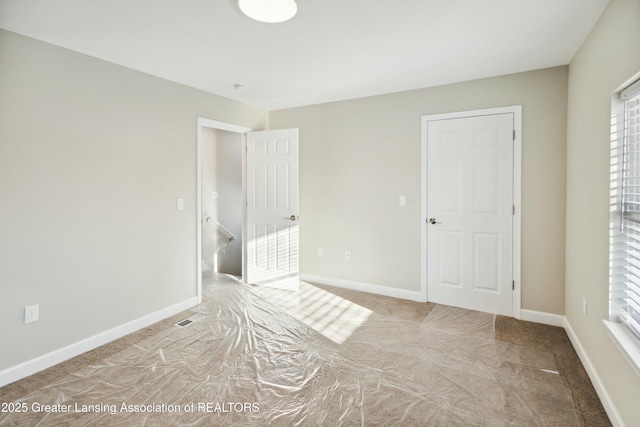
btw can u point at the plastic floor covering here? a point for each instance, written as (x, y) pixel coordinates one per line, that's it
(264, 357)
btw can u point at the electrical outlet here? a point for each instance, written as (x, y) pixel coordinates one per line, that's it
(347, 255)
(320, 251)
(31, 313)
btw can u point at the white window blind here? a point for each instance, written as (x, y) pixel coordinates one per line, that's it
(629, 310)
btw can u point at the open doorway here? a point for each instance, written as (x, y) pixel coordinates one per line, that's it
(263, 227)
(220, 198)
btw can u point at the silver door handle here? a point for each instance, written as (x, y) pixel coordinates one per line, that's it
(293, 218)
(433, 221)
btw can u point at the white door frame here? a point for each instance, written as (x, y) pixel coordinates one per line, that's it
(516, 110)
(207, 123)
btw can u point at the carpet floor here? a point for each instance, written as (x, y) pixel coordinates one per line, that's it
(325, 356)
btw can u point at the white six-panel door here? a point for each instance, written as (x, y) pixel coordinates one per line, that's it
(272, 236)
(470, 212)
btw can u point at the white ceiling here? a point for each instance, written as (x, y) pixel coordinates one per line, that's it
(332, 50)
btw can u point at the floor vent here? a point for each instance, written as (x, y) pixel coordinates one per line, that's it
(190, 320)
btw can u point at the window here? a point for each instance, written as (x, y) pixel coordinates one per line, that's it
(625, 209)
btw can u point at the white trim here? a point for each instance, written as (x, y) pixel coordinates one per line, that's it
(423, 210)
(363, 287)
(626, 342)
(516, 110)
(243, 141)
(631, 90)
(517, 217)
(606, 400)
(222, 125)
(213, 124)
(45, 361)
(199, 263)
(542, 317)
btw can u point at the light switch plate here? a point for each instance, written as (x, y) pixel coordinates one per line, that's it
(180, 204)
(402, 200)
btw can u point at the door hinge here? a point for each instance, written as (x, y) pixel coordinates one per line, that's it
(513, 209)
(514, 134)
(513, 285)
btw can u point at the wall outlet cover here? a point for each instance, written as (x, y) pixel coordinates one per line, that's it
(31, 313)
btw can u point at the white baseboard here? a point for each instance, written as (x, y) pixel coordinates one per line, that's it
(364, 287)
(542, 317)
(606, 400)
(561, 321)
(45, 361)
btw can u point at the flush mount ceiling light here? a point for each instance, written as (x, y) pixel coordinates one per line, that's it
(271, 11)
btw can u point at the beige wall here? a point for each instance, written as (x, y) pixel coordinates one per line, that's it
(92, 159)
(609, 57)
(358, 156)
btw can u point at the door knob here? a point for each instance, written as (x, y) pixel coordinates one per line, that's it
(293, 218)
(433, 221)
